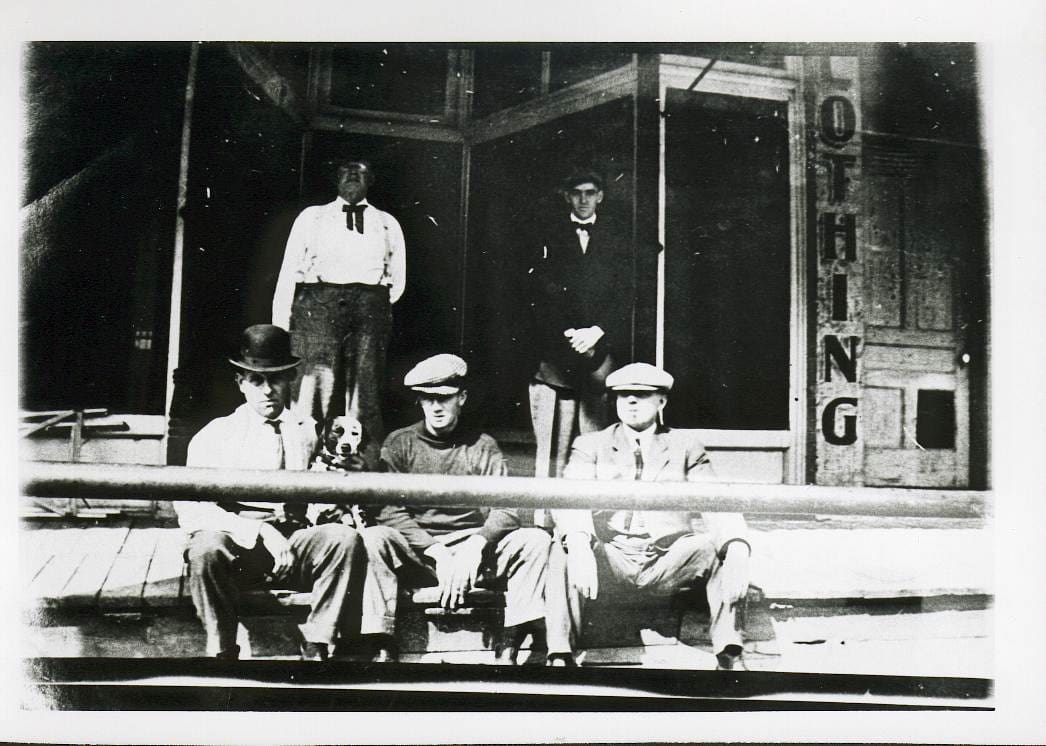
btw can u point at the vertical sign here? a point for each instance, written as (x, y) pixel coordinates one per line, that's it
(833, 108)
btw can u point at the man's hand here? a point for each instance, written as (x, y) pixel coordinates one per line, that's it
(581, 565)
(582, 341)
(734, 573)
(458, 569)
(279, 548)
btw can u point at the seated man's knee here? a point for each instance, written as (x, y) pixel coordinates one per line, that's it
(340, 535)
(380, 540)
(207, 548)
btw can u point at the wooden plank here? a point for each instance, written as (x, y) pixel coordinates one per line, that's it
(163, 581)
(922, 359)
(883, 417)
(141, 541)
(123, 588)
(46, 588)
(102, 548)
(35, 549)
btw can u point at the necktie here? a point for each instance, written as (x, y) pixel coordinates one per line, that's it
(637, 454)
(279, 457)
(354, 215)
(584, 234)
(587, 228)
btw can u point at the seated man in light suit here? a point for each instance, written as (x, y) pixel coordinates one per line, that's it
(657, 552)
(232, 544)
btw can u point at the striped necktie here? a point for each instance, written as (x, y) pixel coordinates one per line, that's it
(279, 459)
(637, 453)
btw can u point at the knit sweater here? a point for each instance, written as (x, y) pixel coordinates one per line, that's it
(464, 452)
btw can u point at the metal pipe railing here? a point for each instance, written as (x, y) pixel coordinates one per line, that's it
(133, 482)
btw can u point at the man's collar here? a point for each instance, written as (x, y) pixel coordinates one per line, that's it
(283, 417)
(643, 436)
(578, 221)
(339, 200)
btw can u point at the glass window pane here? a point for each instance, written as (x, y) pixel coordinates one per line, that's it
(400, 78)
(728, 256)
(505, 76)
(583, 61)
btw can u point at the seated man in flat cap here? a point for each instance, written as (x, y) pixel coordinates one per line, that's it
(454, 547)
(232, 543)
(655, 552)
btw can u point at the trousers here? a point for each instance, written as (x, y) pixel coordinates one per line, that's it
(688, 560)
(558, 416)
(325, 559)
(520, 559)
(341, 333)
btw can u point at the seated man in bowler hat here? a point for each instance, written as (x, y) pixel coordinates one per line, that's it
(600, 553)
(453, 548)
(231, 543)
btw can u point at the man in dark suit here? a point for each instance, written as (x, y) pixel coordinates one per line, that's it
(653, 552)
(581, 302)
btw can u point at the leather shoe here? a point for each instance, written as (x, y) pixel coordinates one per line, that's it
(232, 654)
(731, 658)
(385, 654)
(561, 660)
(506, 656)
(313, 651)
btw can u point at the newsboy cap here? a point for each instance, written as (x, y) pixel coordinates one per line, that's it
(439, 374)
(265, 348)
(640, 377)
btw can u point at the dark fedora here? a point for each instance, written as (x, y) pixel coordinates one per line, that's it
(265, 348)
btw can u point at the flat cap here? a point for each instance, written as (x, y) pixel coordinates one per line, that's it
(640, 377)
(439, 374)
(582, 176)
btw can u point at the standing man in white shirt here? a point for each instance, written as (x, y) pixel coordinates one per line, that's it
(232, 543)
(344, 266)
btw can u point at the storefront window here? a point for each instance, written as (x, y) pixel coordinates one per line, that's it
(727, 256)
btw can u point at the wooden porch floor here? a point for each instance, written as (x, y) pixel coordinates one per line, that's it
(841, 595)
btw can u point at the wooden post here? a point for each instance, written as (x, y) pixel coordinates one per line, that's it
(646, 168)
(174, 329)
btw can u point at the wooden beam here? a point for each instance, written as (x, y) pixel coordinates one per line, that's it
(385, 127)
(578, 97)
(273, 84)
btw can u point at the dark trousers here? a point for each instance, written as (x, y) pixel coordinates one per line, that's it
(689, 560)
(341, 333)
(325, 558)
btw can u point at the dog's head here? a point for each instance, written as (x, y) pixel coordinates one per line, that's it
(344, 436)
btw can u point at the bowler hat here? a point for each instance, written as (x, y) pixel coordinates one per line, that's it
(265, 348)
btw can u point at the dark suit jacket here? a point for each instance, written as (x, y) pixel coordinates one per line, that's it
(677, 456)
(574, 290)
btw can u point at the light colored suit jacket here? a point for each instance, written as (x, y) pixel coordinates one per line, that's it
(227, 442)
(675, 456)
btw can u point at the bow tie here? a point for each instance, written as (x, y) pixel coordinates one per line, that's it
(354, 214)
(583, 226)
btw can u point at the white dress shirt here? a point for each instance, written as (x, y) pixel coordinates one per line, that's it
(583, 235)
(320, 248)
(241, 441)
